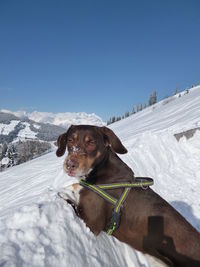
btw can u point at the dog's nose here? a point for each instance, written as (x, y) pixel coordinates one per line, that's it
(71, 164)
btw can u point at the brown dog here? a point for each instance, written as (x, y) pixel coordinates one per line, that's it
(148, 223)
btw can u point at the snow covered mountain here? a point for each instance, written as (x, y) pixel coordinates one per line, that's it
(13, 129)
(60, 119)
(39, 229)
(22, 139)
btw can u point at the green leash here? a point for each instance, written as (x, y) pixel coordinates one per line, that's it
(143, 182)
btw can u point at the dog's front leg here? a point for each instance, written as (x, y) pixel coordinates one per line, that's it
(71, 196)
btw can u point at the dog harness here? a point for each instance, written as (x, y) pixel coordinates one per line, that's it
(143, 182)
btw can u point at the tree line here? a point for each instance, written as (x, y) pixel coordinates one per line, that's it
(16, 153)
(151, 101)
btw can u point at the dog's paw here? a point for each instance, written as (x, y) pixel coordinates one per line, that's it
(63, 195)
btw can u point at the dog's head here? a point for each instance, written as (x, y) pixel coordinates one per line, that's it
(86, 147)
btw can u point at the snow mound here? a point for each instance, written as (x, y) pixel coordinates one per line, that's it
(50, 234)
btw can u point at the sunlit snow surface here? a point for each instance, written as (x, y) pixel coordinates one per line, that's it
(26, 132)
(39, 229)
(5, 129)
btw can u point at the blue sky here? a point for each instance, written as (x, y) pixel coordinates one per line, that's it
(101, 56)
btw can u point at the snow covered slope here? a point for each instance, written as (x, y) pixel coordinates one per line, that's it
(38, 229)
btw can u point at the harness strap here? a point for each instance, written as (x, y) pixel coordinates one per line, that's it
(143, 182)
(122, 199)
(100, 192)
(116, 213)
(130, 185)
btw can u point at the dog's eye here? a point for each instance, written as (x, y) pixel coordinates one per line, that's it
(69, 140)
(91, 142)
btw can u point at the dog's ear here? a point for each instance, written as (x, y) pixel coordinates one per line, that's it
(62, 143)
(112, 140)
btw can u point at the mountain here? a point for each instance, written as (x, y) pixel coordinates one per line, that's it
(39, 229)
(14, 128)
(24, 136)
(60, 119)
(22, 139)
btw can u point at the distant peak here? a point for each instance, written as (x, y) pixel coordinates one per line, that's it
(60, 119)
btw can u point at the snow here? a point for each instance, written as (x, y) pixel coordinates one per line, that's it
(36, 126)
(5, 129)
(26, 133)
(178, 115)
(5, 161)
(66, 119)
(59, 119)
(39, 229)
(41, 235)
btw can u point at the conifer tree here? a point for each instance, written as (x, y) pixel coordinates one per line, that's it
(176, 91)
(153, 98)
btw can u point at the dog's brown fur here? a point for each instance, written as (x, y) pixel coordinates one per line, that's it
(148, 223)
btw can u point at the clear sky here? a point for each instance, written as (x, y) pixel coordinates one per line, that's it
(101, 56)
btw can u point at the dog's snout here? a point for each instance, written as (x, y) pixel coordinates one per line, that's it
(72, 164)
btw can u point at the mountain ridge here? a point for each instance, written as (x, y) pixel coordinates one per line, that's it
(59, 119)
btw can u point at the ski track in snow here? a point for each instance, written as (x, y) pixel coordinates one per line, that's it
(39, 229)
